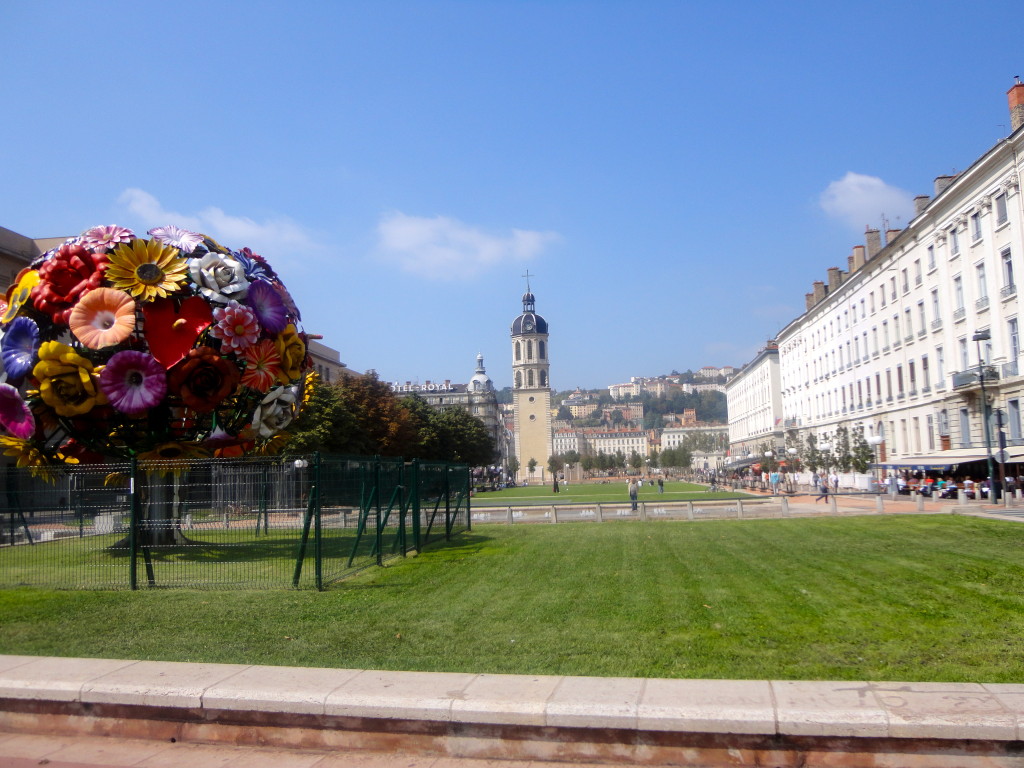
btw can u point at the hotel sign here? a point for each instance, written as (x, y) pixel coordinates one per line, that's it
(429, 387)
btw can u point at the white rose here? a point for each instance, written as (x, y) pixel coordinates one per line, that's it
(219, 278)
(276, 411)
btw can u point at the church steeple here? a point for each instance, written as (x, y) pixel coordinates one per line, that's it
(531, 385)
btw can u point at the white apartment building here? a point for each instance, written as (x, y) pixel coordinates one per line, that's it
(754, 400)
(892, 344)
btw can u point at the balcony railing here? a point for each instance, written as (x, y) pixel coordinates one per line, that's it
(908, 338)
(981, 304)
(959, 314)
(1007, 291)
(936, 323)
(969, 378)
(1010, 369)
(921, 332)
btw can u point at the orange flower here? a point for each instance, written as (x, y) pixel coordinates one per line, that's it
(103, 317)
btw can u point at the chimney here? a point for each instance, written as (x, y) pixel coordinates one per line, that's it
(849, 264)
(942, 182)
(920, 203)
(809, 300)
(1016, 98)
(859, 257)
(874, 241)
(890, 235)
(819, 290)
(835, 278)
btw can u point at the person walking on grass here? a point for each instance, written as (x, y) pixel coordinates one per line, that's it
(633, 492)
(824, 491)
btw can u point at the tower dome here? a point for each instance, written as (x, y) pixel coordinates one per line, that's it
(480, 382)
(529, 321)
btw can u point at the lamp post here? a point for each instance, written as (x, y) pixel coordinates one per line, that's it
(874, 441)
(979, 337)
(789, 473)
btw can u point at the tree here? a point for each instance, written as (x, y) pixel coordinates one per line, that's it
(554, 464)
(589, 463)
(463, 437)
(862, 454)
(513, 466)
(325, 424)
(635, 460)
(384, 426)
(842, 449)
(564, 414)
(531, 466)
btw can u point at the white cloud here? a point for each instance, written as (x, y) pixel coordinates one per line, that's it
(446, 249)
(276, 237)
(861, 201)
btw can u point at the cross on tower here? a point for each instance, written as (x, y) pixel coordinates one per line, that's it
(528, 276)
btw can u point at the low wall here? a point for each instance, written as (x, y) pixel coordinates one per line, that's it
(612, 720)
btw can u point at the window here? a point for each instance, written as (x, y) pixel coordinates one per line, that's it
(912, 376)
(965, 428)
(958, 292)
(1009, 286)
(908, 325)
(881, 296)
(1000, 204)
(518, 352)
(871, 302)
(930, 427)
(906, 280)
(926, 382)
(1013, 418)
(543, 377)
(954, 242)
(943, 422)
(885, 334)
(940, 368)
(979, 271)
(931, 257)
(529, 352)
(541, 350)
(519, 379)
(893, 286)
(922, 321)
(529, 378)
(917, 272)
(936, 308)
(1014, 337)
(888, 384)
(976, 226)
(965, 360)
(899, 380)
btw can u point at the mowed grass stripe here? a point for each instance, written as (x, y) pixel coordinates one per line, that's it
(884, 598)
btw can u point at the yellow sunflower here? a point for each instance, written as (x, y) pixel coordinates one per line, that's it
(147, 269)
(28, 455)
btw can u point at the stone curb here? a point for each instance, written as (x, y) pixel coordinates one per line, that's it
(942, 711)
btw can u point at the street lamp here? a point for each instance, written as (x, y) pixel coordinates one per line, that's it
(874, 441)
(979, 337)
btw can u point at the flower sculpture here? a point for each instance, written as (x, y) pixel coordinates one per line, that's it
(114, 345)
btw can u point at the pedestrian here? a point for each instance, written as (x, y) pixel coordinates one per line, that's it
(823, 494)
(833, 480)
(633, 492)
(555, 487)
(773, 478)
(661, 485)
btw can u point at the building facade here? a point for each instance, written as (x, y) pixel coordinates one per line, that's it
(531, 390)
(755, 404)
(915, 346)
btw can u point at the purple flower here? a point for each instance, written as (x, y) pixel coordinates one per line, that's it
(18, 348)
(289, 302)
(268, 306)
(105, 238)
(133, 382)
(15, 415)
(182, 239)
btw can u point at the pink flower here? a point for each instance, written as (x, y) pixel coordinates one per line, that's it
(133, 382)
(105, 238)
(182, 239)
(236, 327)
(262, 365)
(15, 415)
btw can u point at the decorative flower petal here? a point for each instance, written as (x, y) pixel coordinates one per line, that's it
(268, 306)
(262, 365)
(18, 348)
(133, 382)
(236, 327)
(203, 379)
(182, 239)
(172, 329)
(15, 415)
(103, 317)
(63, 278)
(19, 293)
(105, 238)
(66, 380)
(146, 269)
(219, 278)
(275, 412)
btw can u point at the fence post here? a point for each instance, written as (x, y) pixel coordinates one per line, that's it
(317, 508)
(600, 513)
(879, 504)
(920, 503)
(510, 515)
(415, 484)
(380, 534)
(739, 509)
(643, 511)
(785, 507)
(133, 523)
(469, 498)
(554, 514)
(832, 504)
(689, 510)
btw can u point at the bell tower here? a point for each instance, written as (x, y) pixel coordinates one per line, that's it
(531, 389)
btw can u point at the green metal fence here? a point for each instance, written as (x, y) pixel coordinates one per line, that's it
(296, 521)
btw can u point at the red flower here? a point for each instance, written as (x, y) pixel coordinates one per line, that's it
(203, 379)
(64, 277)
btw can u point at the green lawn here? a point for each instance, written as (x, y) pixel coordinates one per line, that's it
(610, 492)
(937, 598)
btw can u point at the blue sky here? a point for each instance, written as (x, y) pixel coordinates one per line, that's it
(674, 174)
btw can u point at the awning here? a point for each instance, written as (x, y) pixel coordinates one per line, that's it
(742, 463)
(938, 462)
